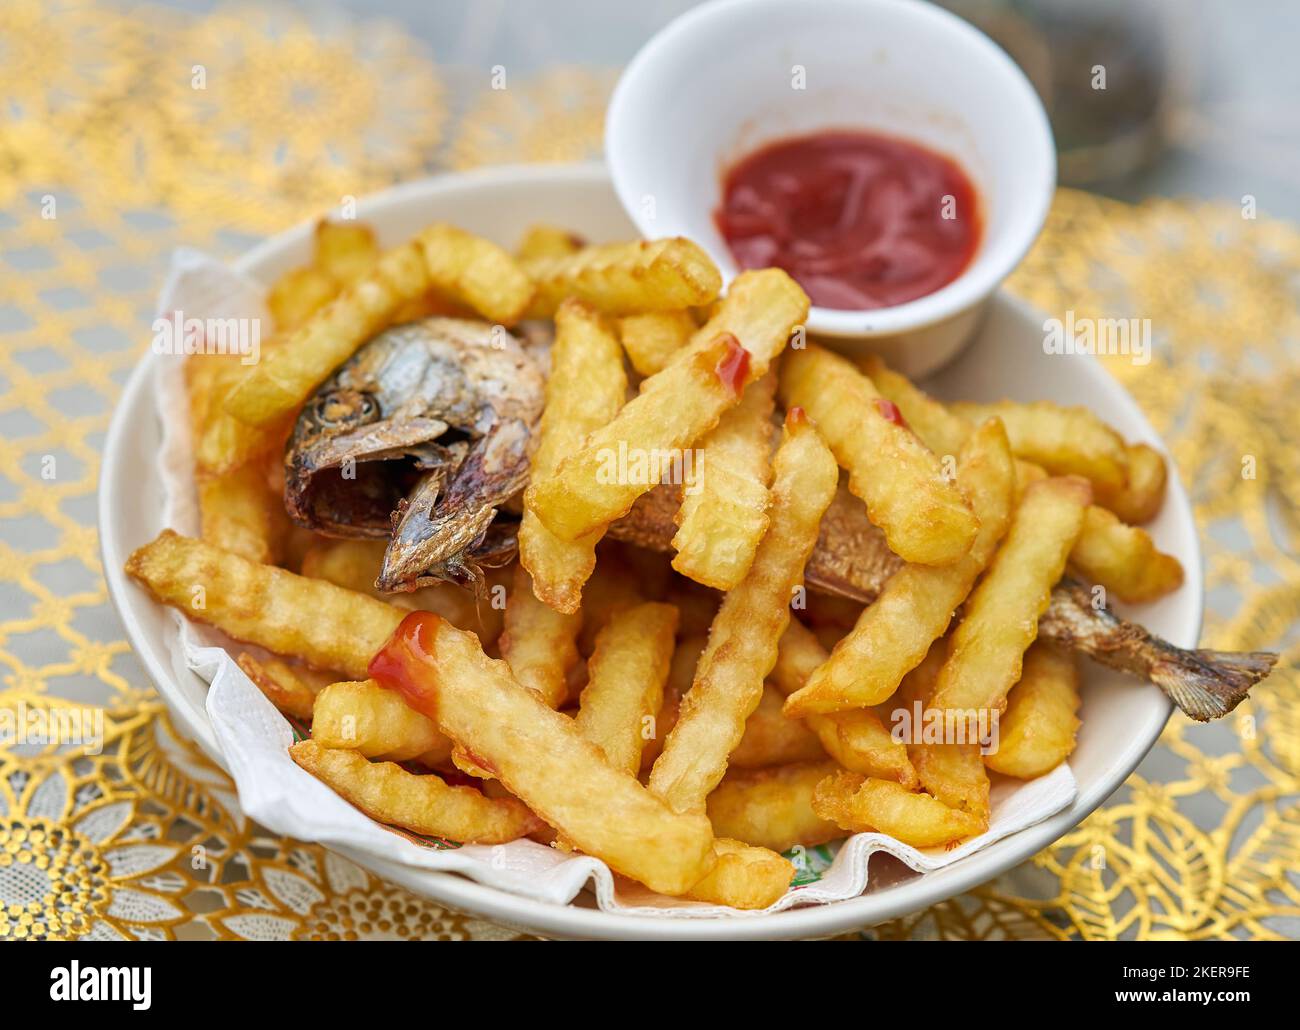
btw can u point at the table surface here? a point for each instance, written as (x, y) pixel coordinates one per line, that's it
(110, 158)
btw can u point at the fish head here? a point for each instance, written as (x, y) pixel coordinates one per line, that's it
(414, 423)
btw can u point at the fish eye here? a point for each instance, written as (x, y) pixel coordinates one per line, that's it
(346, 406)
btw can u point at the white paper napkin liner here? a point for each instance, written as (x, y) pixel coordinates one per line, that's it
(254, 737)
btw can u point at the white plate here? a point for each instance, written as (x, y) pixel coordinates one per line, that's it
(1121, 718)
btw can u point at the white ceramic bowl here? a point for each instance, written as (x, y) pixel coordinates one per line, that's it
(1121, 718)
(716, 84)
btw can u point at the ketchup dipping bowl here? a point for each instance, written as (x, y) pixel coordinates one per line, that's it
(732, 77)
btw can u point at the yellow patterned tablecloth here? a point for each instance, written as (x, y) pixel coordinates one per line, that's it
(119, 144)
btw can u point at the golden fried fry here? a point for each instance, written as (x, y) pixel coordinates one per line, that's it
(772, 739)
(950, 769)
(742, 646)
(723, 514)
(1036, 732)
(1142, 494)
(1065, 441)
(939, 429)
(585, 390)
(917, 603)
(476, 272)
(299, 294)
(623, 278)
(862, 805)
(547, 241)
(652, 338)
(1001, 616)
(744, 877)
(857, 739)
(362, 716)
(291, 689)
(772, 808)
(1123, 559)
(623, 459)
(539, 643)
(625, 684)
(423, 804)
(239, 513)
(264, 605)
(542, 757)
(925, 518)
(345, 251)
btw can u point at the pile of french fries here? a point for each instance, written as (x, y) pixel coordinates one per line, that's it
(686, 717)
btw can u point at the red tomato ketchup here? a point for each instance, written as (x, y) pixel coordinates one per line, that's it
(860, 220)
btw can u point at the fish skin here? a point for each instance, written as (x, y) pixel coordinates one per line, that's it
(438, 416)
(853, 560)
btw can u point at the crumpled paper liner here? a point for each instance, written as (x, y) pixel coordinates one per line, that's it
(275, 792)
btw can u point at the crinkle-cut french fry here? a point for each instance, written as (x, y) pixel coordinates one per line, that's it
(917, 603)
(539, 643)
(222, 443)
(345, 251)
(542, 757)
(1065, 441)
(1001, 615)
(652, 338)
(421, 803)
(951, 770)
(925, 518)
(360, 715)
(1122, 558)
(547, 241)
(772, 808)
(862, 805)
(744, 877)
(476, 272)
(1142, 494)
(469, 268)
(354, 564)
(239, 513)
(857, 739)
(225, 444)
(625, 682)
(299, 294)
(723, 514)
(585, 390)
(622, 278)
(1036, 732)
(742, 644)
(325, 626)
(938, 428)
(623, 459)
(772, 739)
(292, 690)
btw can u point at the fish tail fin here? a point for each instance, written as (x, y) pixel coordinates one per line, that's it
(1208, 684)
